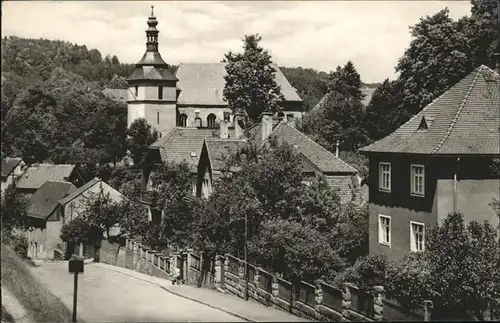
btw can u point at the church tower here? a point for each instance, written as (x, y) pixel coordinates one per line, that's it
(152, 87)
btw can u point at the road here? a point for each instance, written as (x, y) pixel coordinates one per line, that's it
(109, 296)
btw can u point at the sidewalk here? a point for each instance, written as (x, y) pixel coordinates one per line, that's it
(231, 304)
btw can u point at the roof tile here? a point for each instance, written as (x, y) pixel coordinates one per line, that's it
(36, 175)
(466, 121)
(45, 199)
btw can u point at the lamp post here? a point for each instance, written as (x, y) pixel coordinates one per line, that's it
(246, 257)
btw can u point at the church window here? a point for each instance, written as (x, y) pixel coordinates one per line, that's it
(211, 120)
(182, 120)
(160, 92)
(157, 117)
(136, 90)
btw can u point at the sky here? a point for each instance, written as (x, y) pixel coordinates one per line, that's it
(310, 34)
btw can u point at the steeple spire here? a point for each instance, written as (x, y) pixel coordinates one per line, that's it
(152, 33)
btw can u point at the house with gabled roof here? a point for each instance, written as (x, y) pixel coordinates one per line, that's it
(316, 160)
(12, 169)
(36, 175)
(45, 219)
(436, 163)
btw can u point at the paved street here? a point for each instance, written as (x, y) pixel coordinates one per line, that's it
(111, 296)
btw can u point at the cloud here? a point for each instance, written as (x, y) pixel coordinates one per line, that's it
(316, 34)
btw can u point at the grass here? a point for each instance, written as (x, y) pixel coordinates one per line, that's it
(6, 317)
(39, 302)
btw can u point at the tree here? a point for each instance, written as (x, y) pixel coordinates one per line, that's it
(384, 113)
(14, 210)
(340, 118)
(459, 271)
(118, 82)
(141, 136)
(296, 251)
(438, 57)
(250, 86)
(346, 80)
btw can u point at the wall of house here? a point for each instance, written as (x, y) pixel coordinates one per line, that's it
(476, 187)
(167, 118)
(400, 205)
(205, 111)
(78, 204)
(44, 238)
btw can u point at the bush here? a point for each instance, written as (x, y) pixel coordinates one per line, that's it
(366, 272)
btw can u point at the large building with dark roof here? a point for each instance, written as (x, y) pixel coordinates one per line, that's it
(436, 163)
(192, 97)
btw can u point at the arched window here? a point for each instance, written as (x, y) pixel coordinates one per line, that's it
(182, 122)
(211, 120)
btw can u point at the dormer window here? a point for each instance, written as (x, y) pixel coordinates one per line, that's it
(425, 123)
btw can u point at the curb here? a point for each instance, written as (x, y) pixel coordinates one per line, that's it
(183, 296)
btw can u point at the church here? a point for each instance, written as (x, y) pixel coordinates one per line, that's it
(192, 97)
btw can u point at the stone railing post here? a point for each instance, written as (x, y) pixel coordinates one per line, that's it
(378, 303)
(173, 263)
(346, 302)
(241, 280)
(219, 272)
(256, 281)
(226, 264)
(428, 306)
(318, 293)
(275, 289)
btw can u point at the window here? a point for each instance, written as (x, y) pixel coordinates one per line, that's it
(136, 91)
(417, 236)
(182, 120)
(385, 177)
(160, 92)
(384, 229)
(158, 117)
(211, 120)
(417, 180)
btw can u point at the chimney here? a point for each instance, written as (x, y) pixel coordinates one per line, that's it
(197, 119)
(337, 149)
(239, 123)
(266, 126)
(224, 129)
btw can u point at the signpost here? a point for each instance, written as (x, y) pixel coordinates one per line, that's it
(75, 267)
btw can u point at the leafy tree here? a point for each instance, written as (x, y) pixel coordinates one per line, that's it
(347, 81)
(13, 210)
(340, 118)
(141, 136)
(118, 82)
(483, 28)
(458, 271)
(384, 113)
(250, 83)
(296, 251)
(438, 57)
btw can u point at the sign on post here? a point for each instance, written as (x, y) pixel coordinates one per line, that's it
(75, 267)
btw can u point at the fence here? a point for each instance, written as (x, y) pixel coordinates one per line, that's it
(320, 301)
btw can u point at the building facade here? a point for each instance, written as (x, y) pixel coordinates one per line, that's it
(437, 163)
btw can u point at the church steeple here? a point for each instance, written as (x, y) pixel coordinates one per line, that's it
(152, 33)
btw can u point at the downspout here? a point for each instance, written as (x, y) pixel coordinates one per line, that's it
(455, 182)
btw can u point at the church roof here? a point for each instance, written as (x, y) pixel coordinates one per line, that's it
(203, 84)
(151, 73)
(464, 120)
